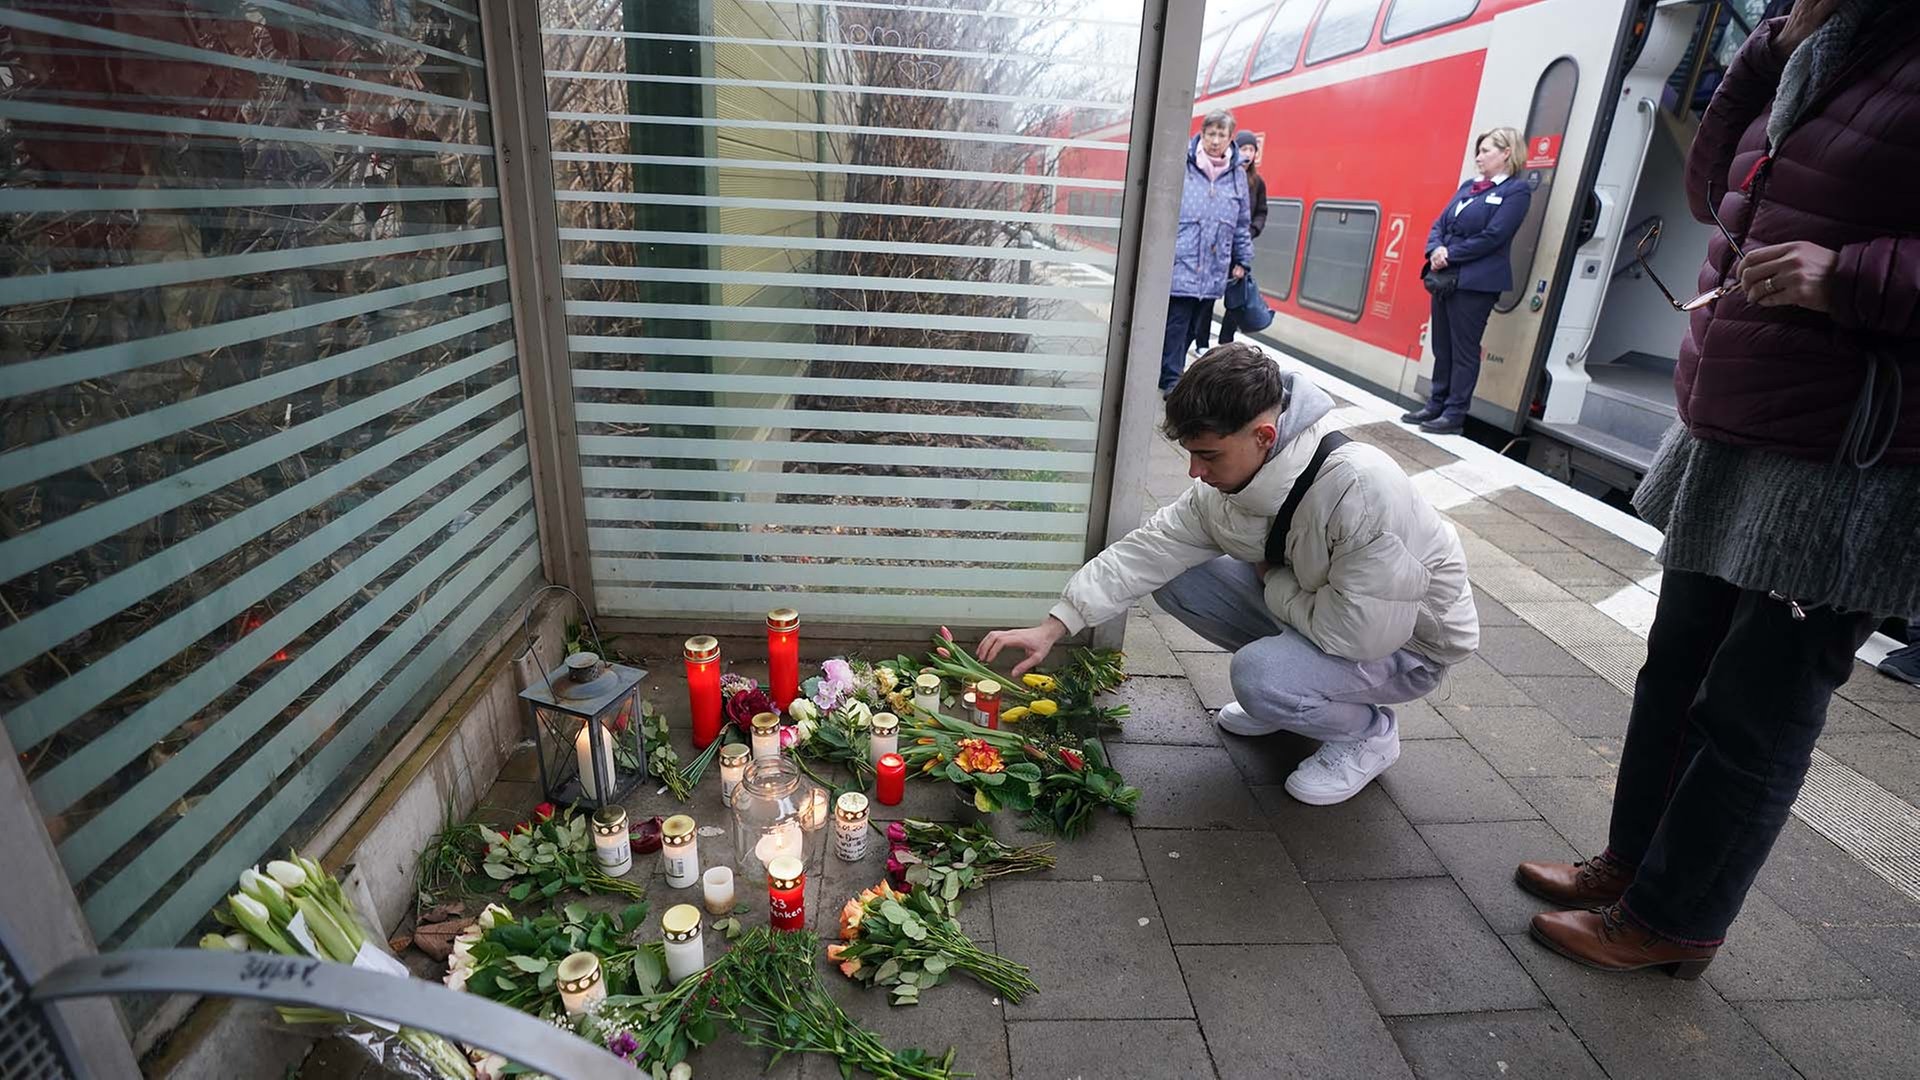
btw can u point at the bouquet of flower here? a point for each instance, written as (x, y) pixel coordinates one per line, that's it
(768, 989)
(298, 909)
(663, 760)
(1057, 785)
(516, 961)
(546, 855)
(1058, 704)
(910, 941)
(947, 860)
(839, 736)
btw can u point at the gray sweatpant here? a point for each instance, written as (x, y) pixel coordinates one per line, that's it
(1280, 678)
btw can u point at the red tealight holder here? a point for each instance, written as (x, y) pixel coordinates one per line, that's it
(890, 783)
(986, 698)
(783, 656)
(703, 688)
(787, 893)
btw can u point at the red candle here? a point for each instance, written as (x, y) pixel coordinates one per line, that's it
(703, 688)
(787, 893)
(783, 655)
(986, 698)
(890, 785)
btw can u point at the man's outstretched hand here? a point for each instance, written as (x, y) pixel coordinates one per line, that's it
(1035, 641)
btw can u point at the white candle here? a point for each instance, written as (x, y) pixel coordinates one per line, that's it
(783, 839)
(926, 694)
(590, 785)
(716, 888)
(612, 845)
(733, 769)
(814, 815)
(883, 737)
(766, 735)
(680, 933)
(850, 827)
(581, 987)
(680, 851)
(969, 704)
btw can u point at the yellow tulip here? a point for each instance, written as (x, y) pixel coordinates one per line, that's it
(1044, 706)
(1039, 681)
(1014, 713)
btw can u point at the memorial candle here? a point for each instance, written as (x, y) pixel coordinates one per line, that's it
(926, 694)
(783, 655)
(581, 987)
(680, 933)
(733, 769)
(703, 688)
(593, 780)
(716, 889)
(986, 698)
(766, 735)
(783, 839)
(850, 827)
(890, 781)
(787, 893)
(883, 736)
(612, 845)
(970, 705)
(680, 851)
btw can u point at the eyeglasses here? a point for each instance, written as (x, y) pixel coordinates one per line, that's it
(1651, 241)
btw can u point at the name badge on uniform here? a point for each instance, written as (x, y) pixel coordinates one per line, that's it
(1493, 200)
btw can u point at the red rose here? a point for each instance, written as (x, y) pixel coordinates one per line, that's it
(543, 813)
(1073, 759)
(744, 706)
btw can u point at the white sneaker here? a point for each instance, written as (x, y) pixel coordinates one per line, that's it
(1233, 718)
(1338, 770)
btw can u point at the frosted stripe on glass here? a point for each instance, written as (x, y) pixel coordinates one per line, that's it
(722, 416)
(1039, 362)
(1051, 16)
(837, 46)
(1096, 259)
(949, 213)
(1067, 554)
(186, 125)
(1061, 328)
(854, 606)
(830, 168)
(836, 516)
(68, 200)
(944, 134)
(853, 453)
(841, 88)
(867, 486)
(357, 29)
(801, 575)
(935, 286)
(821, 386)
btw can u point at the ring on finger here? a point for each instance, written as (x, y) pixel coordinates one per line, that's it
(1773, 285)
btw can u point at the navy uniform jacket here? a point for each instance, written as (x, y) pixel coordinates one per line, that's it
(1479, 239)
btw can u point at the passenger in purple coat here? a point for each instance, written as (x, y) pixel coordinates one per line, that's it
(1215, 241)
(1789, 493)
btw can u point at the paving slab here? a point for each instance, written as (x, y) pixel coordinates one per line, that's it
(1525, 741)
(1859, 1040)
(959, 1013)
(844, 880)
(1516, 535)
(1567, 568)
(1447, 780)
(1846, 718)
(1482, 856)
(1211, 676)
(1891, 760)
(1588, 705)
(1099, 950)
(1868, 685)
(1820, 885)
(1161, 711)
(1769, 956)
(1108, 1050)
(1105, 852)
(1419, 946)
(1645, 1024)
(1494, 613)
(1268, 759)
(1889, 956)
(1146, 652)
(1474, 682)
(929, 800)
(1365, 837)
(1421, 720)
(1186, 787)
(1533, 1043)
(1287, 1010)
(1226, 888)
(1522, 650)
(1178, 635)
(1578, 807)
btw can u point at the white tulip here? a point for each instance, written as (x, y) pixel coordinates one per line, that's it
(287, 874)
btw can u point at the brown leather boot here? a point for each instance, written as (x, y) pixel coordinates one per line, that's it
(1591, 883)
(1608, 940)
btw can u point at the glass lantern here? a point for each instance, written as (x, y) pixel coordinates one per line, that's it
(582, 698)
(776, 812)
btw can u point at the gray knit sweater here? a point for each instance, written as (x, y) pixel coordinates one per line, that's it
(1846, 538)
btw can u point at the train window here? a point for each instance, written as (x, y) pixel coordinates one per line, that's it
(1345, 26)
(1409, 17)
(1277, 247)
(1339, 263)
(1233, 56)
(1281, 47)
(1546, 125)
(1209, 48)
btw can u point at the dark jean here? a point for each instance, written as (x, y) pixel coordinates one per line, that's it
(1458, 323)
(1725, 713)
(1181, 313)
(1203, 327)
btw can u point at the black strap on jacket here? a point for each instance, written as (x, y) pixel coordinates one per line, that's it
(1277, 538)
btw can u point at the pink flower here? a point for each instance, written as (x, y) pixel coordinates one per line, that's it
(896, 832)
(789, 737)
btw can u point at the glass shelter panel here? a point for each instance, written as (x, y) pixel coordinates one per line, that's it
(262, 474)
(838, 286)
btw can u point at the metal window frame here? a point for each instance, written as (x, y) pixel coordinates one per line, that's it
(523, 156)
(1306, 260)
(1255, 73)
(1307, 56)
(1386, 25)
(1293, 256)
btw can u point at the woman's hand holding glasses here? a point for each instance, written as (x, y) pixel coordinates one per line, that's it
(1798, 273)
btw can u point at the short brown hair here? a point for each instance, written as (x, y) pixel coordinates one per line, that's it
(1224, 391)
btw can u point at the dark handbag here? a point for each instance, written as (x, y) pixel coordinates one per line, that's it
(1249, 305)
(1441, 283)
(1283, 521)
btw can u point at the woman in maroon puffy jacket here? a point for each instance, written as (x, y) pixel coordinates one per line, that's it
(1789, 492)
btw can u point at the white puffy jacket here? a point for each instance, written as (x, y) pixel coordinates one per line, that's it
(1371, 568)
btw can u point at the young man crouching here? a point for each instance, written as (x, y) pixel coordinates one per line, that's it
(1360, 601)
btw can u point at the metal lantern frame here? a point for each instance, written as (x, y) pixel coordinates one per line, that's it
(561, 707)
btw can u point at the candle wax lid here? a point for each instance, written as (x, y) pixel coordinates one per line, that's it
(786, 868)
(765, 721)
(986, 687)
(735, 752)
(579, 967)
(784, 618)
(701, 649)
(928, 682)
(884, 721)
(892, 761)
(680, 919)
(852, 803)
(677, 825)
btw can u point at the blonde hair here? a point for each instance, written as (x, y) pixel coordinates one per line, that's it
(1510, 140)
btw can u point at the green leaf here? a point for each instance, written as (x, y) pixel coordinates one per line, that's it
(521, 891)
(991, 779)
(549, 977)
(505, 982)
(631, 917)
(499, 871)
(702, 1031)
(937, 963)
(952, 888)
(1024, 770)
(552, 888)
(576, 912)
(955, 773)
(891, 911)
(532, 965)
(647, 971)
